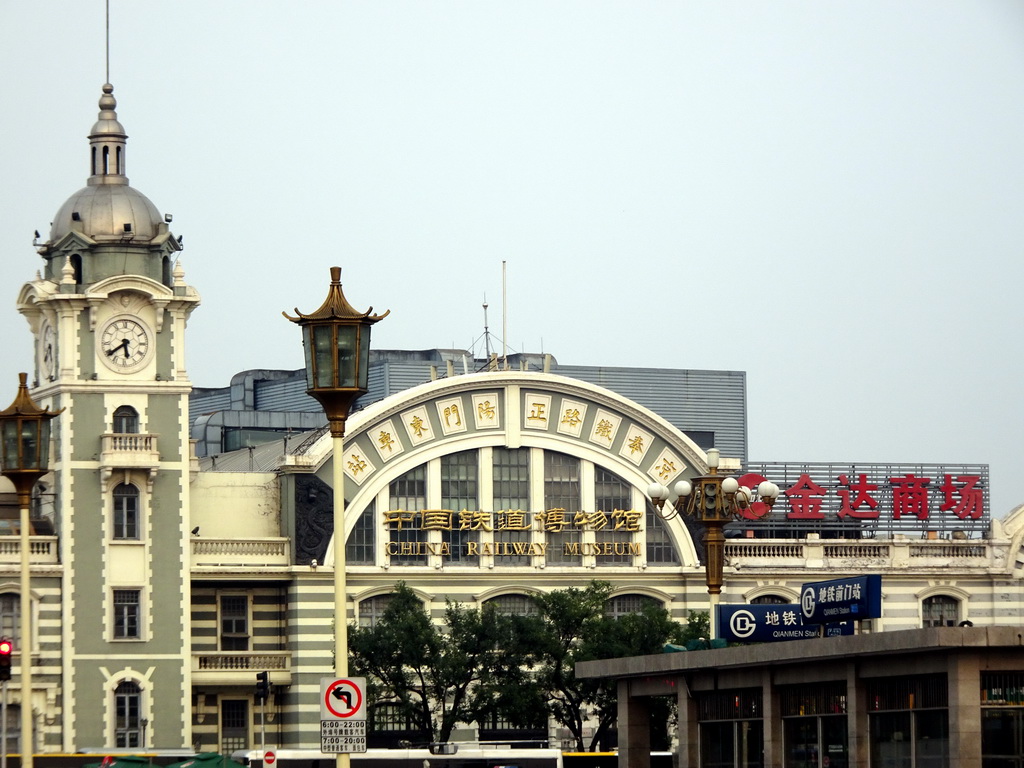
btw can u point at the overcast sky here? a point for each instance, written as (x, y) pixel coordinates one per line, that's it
(827, 195)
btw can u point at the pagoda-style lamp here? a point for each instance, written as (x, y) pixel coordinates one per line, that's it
(24, 458)
(713, 500)
(336, 339)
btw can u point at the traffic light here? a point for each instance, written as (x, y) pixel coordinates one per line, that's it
(6, 649)
(262, 684)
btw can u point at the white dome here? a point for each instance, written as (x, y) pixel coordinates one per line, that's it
(104, 210)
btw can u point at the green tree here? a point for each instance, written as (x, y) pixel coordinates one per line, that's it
(572, 628)
(635, 634)
(481, 662)
(697, 626)
(429, 670)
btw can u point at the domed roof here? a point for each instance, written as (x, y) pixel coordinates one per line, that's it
(104, 211)
(108, 208)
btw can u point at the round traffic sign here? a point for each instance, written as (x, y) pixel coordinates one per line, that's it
(269, 758)
(343, 698)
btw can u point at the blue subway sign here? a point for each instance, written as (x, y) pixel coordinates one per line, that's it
(770, 623)
(858, 598)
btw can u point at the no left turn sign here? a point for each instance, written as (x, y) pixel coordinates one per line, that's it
(342, 699)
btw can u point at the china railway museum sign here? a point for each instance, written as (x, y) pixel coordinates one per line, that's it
(617, 526)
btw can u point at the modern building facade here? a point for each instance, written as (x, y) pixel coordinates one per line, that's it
(163, 581)
(925, 697)
(260, 405)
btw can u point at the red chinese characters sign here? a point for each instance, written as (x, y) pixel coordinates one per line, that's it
(889, 495)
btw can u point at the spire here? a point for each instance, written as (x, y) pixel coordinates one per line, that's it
(107, 144)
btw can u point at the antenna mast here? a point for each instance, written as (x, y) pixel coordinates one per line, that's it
(487, 335)
(504, 318)
(108, 42)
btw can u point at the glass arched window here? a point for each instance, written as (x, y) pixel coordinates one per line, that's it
(371, 609)
(406, 537)
(459, 492)
(126, 420)
(561, 503)
(511, 488)
(659, 544)
(940, 611)
(623, 605)
(10, 615)
(613, 495)
(127, 714)
(514, 605)
(359, 550)
(13, 728)
(126, 512)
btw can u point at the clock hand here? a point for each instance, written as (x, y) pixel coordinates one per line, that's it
(124, 344)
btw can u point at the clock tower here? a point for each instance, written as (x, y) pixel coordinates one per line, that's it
(108, 312)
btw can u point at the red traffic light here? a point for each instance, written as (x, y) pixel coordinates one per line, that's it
(6, 647)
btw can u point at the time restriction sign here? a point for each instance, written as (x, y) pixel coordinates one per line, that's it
(342, 715)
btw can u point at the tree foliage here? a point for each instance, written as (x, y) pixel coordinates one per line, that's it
(522, 668)
(575, 628)
(430, 671)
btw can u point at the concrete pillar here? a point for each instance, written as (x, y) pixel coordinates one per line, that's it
(857, 736)
(688, 752)
(963, 678)
(634, 729)
(774, 756)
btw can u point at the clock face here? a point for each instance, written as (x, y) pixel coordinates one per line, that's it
(48, 352)
(124, 344)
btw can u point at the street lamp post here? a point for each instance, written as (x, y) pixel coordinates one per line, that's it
(24, 458)
(713, 500)
(336, 338)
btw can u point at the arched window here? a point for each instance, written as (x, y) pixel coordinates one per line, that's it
(126, 420)
(362, 542)
(126, 512)
(459, 491)
(371, 609)
(76, 268)
(511, 489)
(406, 535)
(514, 605)
(623, 605)
(940, 611)
(106, 160)
(769, 600)
(117, 162)
(613, 494)
(10, 615)
(13, 728)
(562, 498)
(127, 714)
(659, 544)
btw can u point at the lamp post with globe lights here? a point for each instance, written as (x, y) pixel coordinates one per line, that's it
(336, 340)
(24, 458)
(712, 500)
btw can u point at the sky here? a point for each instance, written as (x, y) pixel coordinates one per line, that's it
(826, 195)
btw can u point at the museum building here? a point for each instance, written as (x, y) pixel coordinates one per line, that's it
(181, 543)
